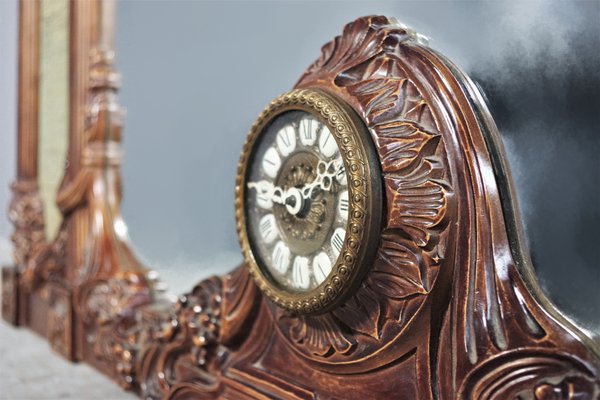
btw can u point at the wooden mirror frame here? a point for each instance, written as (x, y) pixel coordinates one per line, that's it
(476, 326)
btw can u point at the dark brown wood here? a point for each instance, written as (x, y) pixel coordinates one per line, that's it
(449, 309)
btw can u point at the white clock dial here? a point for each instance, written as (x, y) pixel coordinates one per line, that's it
(297, 201)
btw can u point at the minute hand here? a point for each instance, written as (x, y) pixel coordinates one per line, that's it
(324, 178)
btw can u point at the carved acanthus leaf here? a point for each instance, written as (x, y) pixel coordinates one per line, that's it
(321, 335)
(398, 273)
(402, 143)
(418, 200)
(387, 96)
(349, 49)
(362, 313)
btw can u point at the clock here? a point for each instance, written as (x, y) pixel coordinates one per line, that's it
(308, 201)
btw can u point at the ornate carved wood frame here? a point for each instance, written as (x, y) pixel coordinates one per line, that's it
(450, 308)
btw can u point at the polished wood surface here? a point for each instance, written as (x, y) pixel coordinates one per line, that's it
(449, 309)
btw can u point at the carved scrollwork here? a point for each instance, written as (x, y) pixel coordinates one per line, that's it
(108, 311)
(185, 337)
(534, 374)
(47, 262)
(103, 301)
(365, 69)
(26, 214)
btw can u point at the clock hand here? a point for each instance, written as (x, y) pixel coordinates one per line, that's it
(323, 179)
(274, 193)
(293, 198)
(290, 198)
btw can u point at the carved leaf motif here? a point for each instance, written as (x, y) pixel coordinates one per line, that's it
(397, 274)
(383, 97)
(359, 42)
(419, 201)
(320, 335)
(361, 313)
(401, 143)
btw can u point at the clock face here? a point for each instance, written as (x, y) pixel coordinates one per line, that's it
(297, 201)
(308, 201)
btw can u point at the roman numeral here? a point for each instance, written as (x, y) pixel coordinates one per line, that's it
(308, 131)
(267, 228)
(321, 267)
(271, 162)
(327, 144)
(337, 241)
(300, 273)
(281, 257)
(344, 204)
(286, 140)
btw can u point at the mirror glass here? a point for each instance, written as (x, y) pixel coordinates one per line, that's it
(53, 106)
(197, 74)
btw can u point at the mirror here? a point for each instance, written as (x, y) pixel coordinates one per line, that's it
(53, 106)
(196, 75)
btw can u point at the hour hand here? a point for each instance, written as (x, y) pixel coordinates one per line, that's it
(268, 191)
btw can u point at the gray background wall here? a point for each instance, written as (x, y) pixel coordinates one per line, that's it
(8, 114)
(196, 74)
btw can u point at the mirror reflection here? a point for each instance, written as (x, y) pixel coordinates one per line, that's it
(53, 106)
(196, 75)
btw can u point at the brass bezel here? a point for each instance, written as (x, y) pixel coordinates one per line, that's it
(365, 195)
